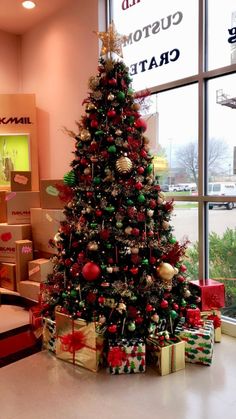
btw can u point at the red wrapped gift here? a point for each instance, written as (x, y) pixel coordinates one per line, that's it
(193, 317)
(36, 320)
(212, 293)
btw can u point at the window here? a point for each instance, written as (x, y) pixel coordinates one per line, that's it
(192, 113)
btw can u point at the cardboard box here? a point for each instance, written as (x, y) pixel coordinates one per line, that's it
(45, 224)
(8, 276)
(29, 290)
(212, 293)
(9, 234)
(20, 180)
(49, 194)
(168, 356)
(24, 253)
(3, 208)
(39, 269)
(19, 205)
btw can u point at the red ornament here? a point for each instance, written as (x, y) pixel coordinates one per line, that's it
(138, 186)
(140, 170)
(134, 271)
(104, 234)
(183, 268)
(101, 299)
(139, 320)
(91, 271)
(135, 231)
(75, 269)
(110, 139)
(112, 82)
(89, 194)
(143, 153)
(84, 161)
(68, 262)
(181, 278)
(175, 306)
(94, 123)
(149, 308)
(91, 297)
(164, 304)
(112, 328)
(152, 203)
(98, 213)
(111, 113)
(152, 260)
(141, 124)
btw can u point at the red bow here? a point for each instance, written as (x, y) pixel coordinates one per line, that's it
(116, 356)
(73, 342)
(216, 320)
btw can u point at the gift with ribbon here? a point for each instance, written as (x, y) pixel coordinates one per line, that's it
(212, 293)
(193, 317)
(35, 320)
(126, 356)
(78, 342)
(199, 341)
(168, 357)
(215, 316)
(49, 334)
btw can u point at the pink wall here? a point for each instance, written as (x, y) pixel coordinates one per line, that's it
(9, 62)
(58, 56)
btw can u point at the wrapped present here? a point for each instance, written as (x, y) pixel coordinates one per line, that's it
(215, 316)
(212, 293)
(35, 320)
(193, 316)
(49, 334)
(126, 356)
(79, 342)
(167, 355)
(199, 342)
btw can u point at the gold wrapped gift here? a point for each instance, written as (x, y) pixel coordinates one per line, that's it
(169, 356)
(78, 342)
(215, 316)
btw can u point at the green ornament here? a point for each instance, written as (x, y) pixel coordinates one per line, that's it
(81, 304)
(93, 225)
(99, 132)
(108, 245)
(130, 202)
(112, 149)
(183, 302)
(133, 298)
(97, 180)
(119, 224)
(103, 267)
(131, 119)
(73, 293)
(130, 92)
(149, 169)
(173, 240)
(110, 209)
(141, 198)
(79, 145)
(173, 314)
(120, 96)
(64, 294)
(131, 327)
(145, 262)
(69, 178)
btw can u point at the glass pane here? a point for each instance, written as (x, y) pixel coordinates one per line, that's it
(221, 43)
(157, 48)
(221, 136)
(174, 139)
(222, 253)
(185, 224)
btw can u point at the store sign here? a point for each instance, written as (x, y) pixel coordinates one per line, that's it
(15, 120)
(157, 48)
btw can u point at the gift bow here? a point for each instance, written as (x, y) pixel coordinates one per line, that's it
(192, 321)
(116, 356)
(216, 320)
(74, 341)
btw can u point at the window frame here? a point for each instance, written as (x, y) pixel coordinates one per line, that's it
(202, 199)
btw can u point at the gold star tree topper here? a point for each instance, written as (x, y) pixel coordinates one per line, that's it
(111, 41)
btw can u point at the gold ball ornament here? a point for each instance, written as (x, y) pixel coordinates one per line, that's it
(165, 225)
(92, 246)
(124, 165)
(128, 230)
(111, 97)
(118, 132)
(136, 106)
(90, 107)
(85, 135)
(165, 271)
(134, 250)
(93, 82)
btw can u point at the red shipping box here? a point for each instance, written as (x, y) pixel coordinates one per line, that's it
(18, 206)
(39, 269)
(45, 224)
(212, 294)
(3, 208)
(20, 180)
(24, 253)
(49, 194)
(8, 276)
(9, 234)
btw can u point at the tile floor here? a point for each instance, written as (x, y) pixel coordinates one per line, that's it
(43, 387)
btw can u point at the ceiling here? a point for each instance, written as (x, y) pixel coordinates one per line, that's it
(17, 20)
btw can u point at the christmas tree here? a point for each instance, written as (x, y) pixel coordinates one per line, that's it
(118, 262)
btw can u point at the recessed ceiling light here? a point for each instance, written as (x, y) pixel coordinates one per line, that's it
(28, 4)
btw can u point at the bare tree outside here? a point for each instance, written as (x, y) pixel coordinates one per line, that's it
(218, 158)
